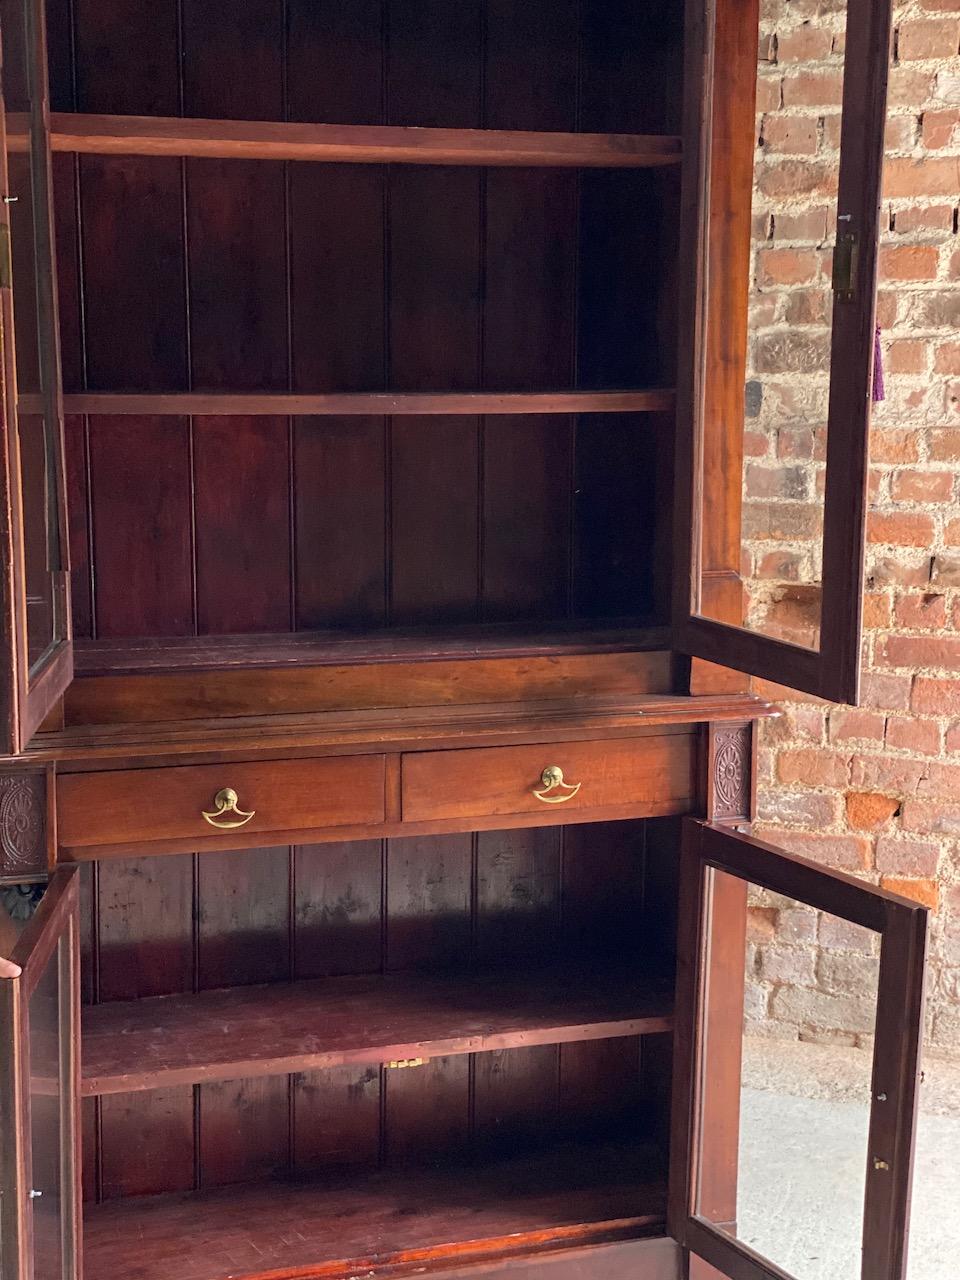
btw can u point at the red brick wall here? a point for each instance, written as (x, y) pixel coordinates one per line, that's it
(874, 790)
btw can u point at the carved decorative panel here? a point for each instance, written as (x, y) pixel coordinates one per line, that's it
(730, 782)
(23, 809)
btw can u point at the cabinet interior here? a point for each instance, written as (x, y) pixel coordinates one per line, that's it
(242, 277)
(553, 950)
(322, 1059)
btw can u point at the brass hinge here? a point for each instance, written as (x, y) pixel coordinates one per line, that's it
(401, 1064)
(846, 257)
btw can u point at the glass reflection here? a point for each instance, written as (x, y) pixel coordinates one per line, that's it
(805, 1087)
(773, 347)
(45, 1102)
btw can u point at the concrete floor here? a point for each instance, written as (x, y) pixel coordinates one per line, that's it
(804, 1150)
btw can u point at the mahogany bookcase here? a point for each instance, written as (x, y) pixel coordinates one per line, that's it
(376, 712)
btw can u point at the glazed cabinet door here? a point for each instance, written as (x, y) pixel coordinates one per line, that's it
(40, 1085)
(783, 158)
(796, 1065)
(37, 650)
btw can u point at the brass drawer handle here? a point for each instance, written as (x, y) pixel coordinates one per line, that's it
(552, 780)
(227, 801)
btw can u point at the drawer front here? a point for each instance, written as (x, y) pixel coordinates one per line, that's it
(133, 806)
(648, 775)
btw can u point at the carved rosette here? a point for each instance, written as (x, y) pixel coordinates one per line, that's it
(731, 779)
(23, 845)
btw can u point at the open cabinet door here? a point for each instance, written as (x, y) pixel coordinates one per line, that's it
(37, 653)
(40, 1092)
(783, 159)
(810, 1178)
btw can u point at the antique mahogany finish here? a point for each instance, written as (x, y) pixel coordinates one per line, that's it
(378, 377)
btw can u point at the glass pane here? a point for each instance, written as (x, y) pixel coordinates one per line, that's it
(769, 327)
(18, 902)
(46, 1094)
(39, 430)
(804, 1095)
(934, 1221)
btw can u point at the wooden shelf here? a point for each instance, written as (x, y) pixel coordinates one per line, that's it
(357, 144)
(112, 657)
(344, 404)
(243, 1032)
(403, 1220)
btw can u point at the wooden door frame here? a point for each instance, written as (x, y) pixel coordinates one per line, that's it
(56, 919)
(719, 141)
(901, 924)
(26, 700)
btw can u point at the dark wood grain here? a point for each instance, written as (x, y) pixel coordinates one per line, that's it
(356, 143)
(81, 579)
(615, 515)
(340, 539)
(135, 74)
(148, 352)
(427, 1111)
(411, 403)
(428, 902)
(360, 648)
(244, 1130)
(515, 1098)
(146, 1144)
(518, 896)
(561, 1198)
(243, 920)
(433, 73)
(141, 483)
(242, 565)
(144, 910)
(111, 807)
(434, 531)
(460, 784)
(335, 61)
(276, 1029)
(338, 909)
(337, 1117)
(531, 54)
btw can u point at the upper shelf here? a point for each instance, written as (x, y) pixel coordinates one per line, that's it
(357, 144)
(242, 1032)
(376, 403)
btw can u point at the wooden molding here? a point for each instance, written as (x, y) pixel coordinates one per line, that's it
(357, 144)
(730, 793)
(362, 403)
(23, 808)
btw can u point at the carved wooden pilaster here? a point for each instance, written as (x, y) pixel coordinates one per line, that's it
(23, 826)
(730, 783)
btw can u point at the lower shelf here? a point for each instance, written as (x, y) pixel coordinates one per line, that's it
(301, 1026)
(383, 1222)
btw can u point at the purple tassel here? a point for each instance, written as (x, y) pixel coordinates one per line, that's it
(879, 391)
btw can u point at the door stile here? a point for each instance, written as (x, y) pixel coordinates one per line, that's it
(55, 922)
(13, 677)
(26, 695)
(71, 1165)
(896, 1058)
(14, 1150)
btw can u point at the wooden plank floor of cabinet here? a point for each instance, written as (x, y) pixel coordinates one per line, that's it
(398, 1220)
(269, 1030)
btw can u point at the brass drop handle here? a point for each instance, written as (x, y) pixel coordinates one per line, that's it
(552, 781)
(226, 801)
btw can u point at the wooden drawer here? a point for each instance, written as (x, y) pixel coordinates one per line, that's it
(633, 776)
(133, 806)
